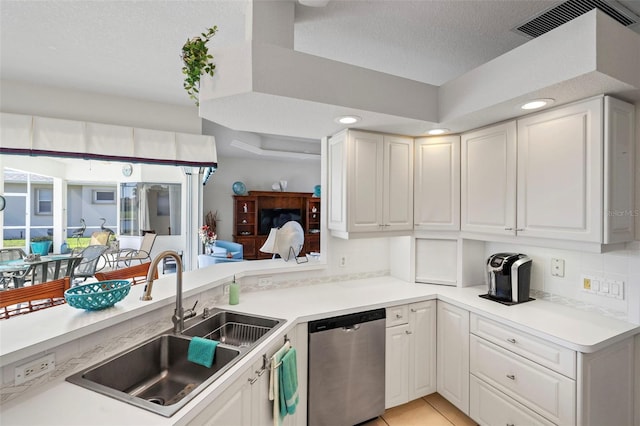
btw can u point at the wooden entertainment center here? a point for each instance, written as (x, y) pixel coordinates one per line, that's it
(253, 215)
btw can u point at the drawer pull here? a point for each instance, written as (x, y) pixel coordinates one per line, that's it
(398, 316)
(508, 229)
(408, 332)
(414, 310)
(511, 340)
(510, 424)
(511, 376)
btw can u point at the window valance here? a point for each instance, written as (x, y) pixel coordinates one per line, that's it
(40, 136)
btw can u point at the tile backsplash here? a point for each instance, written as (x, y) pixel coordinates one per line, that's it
(620, 265)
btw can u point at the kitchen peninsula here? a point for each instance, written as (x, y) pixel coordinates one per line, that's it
(81, 334)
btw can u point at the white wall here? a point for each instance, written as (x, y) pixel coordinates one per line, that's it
(257, 175)
(46, 101)
(621, 265)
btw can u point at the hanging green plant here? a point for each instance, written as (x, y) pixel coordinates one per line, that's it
(197, 61)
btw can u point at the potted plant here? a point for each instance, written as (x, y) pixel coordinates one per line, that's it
(197, 61)
(41, 245)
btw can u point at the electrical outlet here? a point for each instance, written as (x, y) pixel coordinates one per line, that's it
(34, 369)
(586, 283)
(265, 281)
(343, 261)
(557, 267)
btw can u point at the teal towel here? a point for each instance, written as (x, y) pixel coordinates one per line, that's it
(202, 351)
(288, 377)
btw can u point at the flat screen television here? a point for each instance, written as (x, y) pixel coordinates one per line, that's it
(275, 218)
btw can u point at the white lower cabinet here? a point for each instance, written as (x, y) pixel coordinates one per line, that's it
(490, 407)
(517, 378)
(410, 359)
(453, 355)
(246, 400)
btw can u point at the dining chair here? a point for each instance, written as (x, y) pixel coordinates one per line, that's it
(63, 268)
(87, 267)
(23, 300)
(137, 274)
(143, 254)
(14, 253)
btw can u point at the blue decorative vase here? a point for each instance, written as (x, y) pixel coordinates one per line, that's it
(64, 248)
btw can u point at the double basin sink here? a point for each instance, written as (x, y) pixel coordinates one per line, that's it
(156, 374)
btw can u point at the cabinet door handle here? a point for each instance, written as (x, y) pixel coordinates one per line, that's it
(252, 381)
(408, 332)
(398, 316)
(414, 310)
(510, 424)
(519, 229)
(511, 376)
(508, 229)
(511, 340)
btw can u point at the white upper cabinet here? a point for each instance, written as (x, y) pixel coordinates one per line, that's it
(564, 174)
(437, 183)
(370, 182)
(488, 193)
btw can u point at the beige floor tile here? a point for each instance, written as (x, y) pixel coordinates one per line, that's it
(415, 413)
(377, 422)
(448, 410)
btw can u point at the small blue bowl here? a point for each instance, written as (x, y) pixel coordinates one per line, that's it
(96, 296)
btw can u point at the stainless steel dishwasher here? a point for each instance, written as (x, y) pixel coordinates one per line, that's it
(346, 369)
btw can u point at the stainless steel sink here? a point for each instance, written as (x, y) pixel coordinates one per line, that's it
(157, 376)
(233, 328)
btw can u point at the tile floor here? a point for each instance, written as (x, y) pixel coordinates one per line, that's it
(431, 410)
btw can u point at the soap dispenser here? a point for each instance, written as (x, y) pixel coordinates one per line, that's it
(234, 292)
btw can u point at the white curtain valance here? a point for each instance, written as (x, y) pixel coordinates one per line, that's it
(27, 135)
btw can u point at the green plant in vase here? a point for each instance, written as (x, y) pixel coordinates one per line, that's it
(41, 245)
(197, 61)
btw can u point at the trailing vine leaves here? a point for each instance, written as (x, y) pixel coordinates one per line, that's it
(197, 61)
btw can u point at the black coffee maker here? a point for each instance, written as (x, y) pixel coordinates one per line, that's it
(508, 277)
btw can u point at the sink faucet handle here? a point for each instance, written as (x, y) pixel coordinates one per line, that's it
(190, 313)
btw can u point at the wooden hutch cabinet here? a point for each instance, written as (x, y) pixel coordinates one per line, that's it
(255, 214)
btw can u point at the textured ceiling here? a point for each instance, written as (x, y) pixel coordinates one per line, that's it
(132, 48)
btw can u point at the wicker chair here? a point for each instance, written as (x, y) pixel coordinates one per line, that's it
(23, 300)
(137, 274)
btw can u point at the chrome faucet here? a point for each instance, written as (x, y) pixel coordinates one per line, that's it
(179, 315)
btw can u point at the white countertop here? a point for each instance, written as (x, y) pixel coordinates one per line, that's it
(575, 329)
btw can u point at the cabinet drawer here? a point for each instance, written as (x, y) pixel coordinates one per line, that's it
(489, 407)
(545, 353)
(548, 393)
(397, 315)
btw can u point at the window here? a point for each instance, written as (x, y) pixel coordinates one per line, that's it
(104, 196)
(44, 201)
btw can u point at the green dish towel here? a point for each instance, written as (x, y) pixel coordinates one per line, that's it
(288, 383)
(201, 351)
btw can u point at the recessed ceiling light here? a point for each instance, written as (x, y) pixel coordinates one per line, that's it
(348, 119)
(438, 131)
(538, 103)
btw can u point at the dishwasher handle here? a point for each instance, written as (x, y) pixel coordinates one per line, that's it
(351, 328)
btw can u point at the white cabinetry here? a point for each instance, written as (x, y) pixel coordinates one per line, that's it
(437, 183)
(517, 378)
(564, 174)
(453, 355)
(246, 401)
(488, 187)
(410, 370)
(370, 183)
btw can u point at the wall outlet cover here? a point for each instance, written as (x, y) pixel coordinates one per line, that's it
(35, 368)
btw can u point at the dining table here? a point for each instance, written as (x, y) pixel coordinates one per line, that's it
(38, 270)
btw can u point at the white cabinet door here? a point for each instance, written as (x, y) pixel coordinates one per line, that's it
(231, 408)
(422, 349)
(397, 365)
(453, 355)
(488, 187)
(560, 173)
(437, 183)
(365, 173)
(337, 182)
(397, 203)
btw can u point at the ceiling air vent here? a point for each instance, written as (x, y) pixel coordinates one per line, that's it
(566, 11)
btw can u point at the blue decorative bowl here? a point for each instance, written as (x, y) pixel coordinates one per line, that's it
(95, 296)
(239, 188)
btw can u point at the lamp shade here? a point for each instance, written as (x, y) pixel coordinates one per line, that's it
(269, 246)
